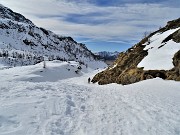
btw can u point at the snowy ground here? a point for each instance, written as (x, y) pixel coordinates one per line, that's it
(37, 101)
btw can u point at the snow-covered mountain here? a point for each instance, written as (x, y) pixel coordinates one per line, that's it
(107, 55)
(157, 55)
(23, 43)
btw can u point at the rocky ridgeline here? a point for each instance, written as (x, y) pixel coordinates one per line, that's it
(125, 70)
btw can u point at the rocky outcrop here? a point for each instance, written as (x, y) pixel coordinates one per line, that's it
(126, 67)
(125, 70)
(174, 74)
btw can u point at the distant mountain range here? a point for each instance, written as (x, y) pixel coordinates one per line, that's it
(157, 55)
(107, 55)
(23, 43)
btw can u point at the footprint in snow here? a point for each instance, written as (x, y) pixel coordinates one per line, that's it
(70, 105)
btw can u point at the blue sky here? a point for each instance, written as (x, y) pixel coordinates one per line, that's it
(103, 25)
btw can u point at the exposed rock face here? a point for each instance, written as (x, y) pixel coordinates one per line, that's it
(125, 70)
(176, 36)
(174, 74)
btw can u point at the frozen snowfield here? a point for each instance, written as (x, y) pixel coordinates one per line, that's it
(57, 101)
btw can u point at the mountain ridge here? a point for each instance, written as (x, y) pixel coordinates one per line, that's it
(23, 43)
(9, 14)
(107, 55)
(125, 69)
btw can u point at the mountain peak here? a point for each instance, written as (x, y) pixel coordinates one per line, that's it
(7, 13)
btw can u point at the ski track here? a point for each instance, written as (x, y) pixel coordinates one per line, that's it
(67, 107)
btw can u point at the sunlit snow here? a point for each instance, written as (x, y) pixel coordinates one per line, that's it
(48, 101)
(160, 54)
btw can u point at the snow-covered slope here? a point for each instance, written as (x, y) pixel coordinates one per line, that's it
(35, 103)
(53, 71)
(7, 13)
(23, 43)
(160, 53)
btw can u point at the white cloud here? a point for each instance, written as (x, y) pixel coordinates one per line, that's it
(127, 22)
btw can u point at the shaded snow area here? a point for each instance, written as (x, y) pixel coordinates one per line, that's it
(163, 51)
(58, 101)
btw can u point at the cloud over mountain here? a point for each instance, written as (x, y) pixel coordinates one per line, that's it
(98, 20)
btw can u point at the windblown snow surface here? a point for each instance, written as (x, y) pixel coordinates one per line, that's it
(57, 101)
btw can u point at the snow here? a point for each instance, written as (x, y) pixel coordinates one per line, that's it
(113, 66)
(160, 54)
(36, 101)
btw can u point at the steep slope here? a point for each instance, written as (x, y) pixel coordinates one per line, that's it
(23, 43)
(157, 55)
